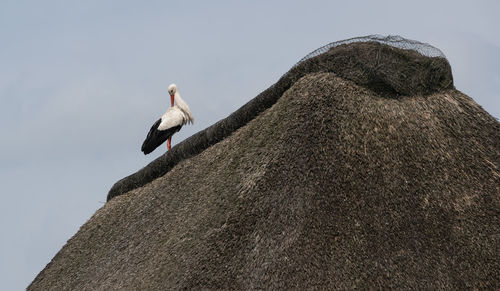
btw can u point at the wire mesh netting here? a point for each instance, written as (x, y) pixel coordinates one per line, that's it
(397, 41)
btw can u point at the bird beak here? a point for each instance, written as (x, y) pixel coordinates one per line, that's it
(172, 99)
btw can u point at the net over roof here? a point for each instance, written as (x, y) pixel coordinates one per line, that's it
(397, 41)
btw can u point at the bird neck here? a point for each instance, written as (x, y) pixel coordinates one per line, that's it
(183, 106)
(177, 98)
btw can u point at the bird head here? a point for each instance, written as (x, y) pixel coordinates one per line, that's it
(172, 89)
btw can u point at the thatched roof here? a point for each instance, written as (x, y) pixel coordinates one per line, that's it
(348, 179)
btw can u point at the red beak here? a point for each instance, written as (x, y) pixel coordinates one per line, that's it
(172, 100)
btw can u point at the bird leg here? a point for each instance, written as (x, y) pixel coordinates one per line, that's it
(169, 143)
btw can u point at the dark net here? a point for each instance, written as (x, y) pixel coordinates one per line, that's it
(396, 41)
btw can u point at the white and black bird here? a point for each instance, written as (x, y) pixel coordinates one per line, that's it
(171, 122)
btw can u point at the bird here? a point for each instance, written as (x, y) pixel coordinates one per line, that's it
(170, 122)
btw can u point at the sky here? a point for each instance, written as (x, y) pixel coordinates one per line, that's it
(81, 83)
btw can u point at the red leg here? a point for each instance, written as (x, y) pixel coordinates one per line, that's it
(169, 143)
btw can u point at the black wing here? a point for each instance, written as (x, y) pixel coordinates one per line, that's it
(156, 137)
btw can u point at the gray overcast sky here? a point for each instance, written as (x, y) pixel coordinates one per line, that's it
(81, 82)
